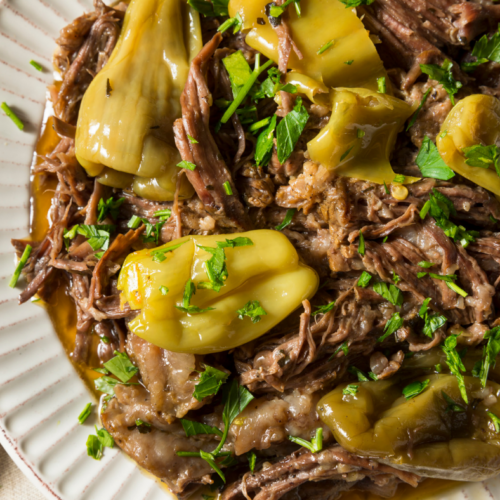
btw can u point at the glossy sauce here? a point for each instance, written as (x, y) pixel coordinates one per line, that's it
(62, 311)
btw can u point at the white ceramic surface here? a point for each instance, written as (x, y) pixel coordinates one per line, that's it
(40, 394)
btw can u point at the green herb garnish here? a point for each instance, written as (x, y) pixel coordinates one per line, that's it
(20, 265)
(187, 165)
(414, 117)
(287, 220)
(85, 413)
(316, 443)
(415, 388)
(431, 164)
(395, 323)
(253, 310)
(364, 279)
(290, 129)
(444, 76)
(210, 382)
(8, 111)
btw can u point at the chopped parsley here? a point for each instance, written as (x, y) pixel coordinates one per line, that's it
(8, 111)
(316, 443)
(356, 371)
(415, 388)
(215, 267)
(163, 214)
(245, 88)
(158, 254)
(121, 366)
(85, 413)
(187, 165)
(483, 156)
(361, 244)
(97, 443)
(440, 208)
(278, 10)
(192, 140)
(444, 76)
(346, 153)
(98, 236)
(484, 50)
(227, 188)
(253, 310)
(210, 382)
(396, 278)
(356, 3)
(390, 292)
(287, 220)
(421, 275)
(20, 265)
(452, 405)
(490, 353)
(194, 428)
(395, 323)
(364, 279)
(252, 459)
(36, 65)
(438, 368)
(349, 62)
(350, 390)
(325, 47)
(235, 399)
(186, 307)
(382, 85)
(324, 309)
(431, 164)
(455, 363)
(163, 290)
(342, 347)
(212, 9)
(110, 206)
(414, 117)
(399, 179)
(290, 129)
(360, 133)
(495, 420)
(425, 264)
(134, 222)
(272, 85)
(235, 21)
(265, 141)
(432, 321)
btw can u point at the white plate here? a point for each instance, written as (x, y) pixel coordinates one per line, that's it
(41, 395)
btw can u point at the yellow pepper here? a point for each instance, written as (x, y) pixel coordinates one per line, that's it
(268, 271)
(378, 421)
(126, 116)
(322, 21)
(474, 120)
(360, 136)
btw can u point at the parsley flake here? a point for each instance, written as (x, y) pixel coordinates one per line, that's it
(390, 292)
(189, 291)
(85, 413)
(290, 129)
(350, 390)
(455, 363)
(452, 405)
(121, 366)
(325, 47)
(8, 111)
(210, 382)
(20, 265)
(431, 164)
(316, 443)
(187, 165)
(364, 279)
(253, 310)
(287, 220)
(444, 76)
(415, 388)
(361, 244)
(395, 323)
(324, 309)
(414, 117)
(483, 156)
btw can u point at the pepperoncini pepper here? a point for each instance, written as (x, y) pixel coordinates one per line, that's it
(360, 136)
(266, 270)
(423, 433)
(124, 131)
(473, 121)
(351, 60)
